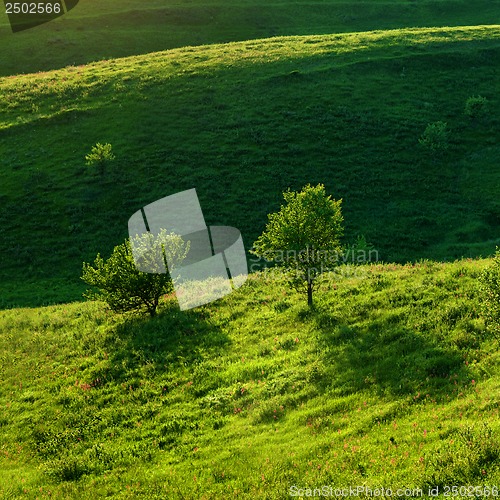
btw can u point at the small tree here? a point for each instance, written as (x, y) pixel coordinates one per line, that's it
(122, 286)
(490, 288)
(100, 155)
(476, 106)
(436, 136)
(304, 237)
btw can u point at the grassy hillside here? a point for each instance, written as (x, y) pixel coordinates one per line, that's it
(116, 28)
(391, 382)
(241, 122)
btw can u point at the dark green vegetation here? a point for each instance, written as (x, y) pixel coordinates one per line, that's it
(392, 381)
(242, 122)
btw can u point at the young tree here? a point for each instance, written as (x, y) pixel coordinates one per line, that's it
(436, 136)
(100, 155)
(122, 286)
(476, 107)
(304, 237)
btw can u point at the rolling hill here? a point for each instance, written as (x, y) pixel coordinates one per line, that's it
(241, 122)
(116, 28)
(392, 382)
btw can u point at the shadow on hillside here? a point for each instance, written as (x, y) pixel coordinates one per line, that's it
(387, 358)
(166, 342)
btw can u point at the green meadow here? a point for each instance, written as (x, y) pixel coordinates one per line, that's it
(242, 122)
(391, 381)
(105, 30)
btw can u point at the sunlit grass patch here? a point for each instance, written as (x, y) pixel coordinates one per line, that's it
(241, 394)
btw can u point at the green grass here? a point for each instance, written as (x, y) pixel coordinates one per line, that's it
(392, 381)
(241, 122)
(115, 28)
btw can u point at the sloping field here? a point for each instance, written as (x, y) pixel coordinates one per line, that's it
(241, 122)
(392, 382)
(117, 28)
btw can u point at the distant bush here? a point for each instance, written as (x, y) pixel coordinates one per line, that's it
(70, 468)
(476, 106)
(490, 288)
(100, 155)
(435, 136)
(360, 251)
(122, 286)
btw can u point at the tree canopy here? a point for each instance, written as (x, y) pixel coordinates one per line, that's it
(122, 286)
(303, 237)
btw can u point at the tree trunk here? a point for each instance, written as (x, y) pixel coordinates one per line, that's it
(309, 293)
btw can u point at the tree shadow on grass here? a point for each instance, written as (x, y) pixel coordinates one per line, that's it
(387, 358)
(171, 340)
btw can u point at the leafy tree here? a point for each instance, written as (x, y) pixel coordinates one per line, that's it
(304, 237)
(100, 155)
(490, 288)
(476, 106)
(436, 136)
(119, 282)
